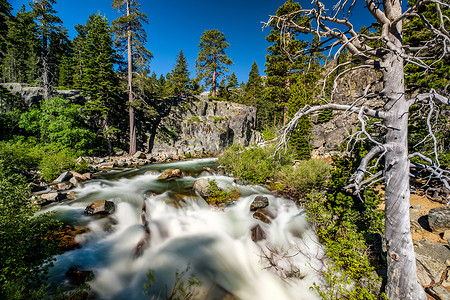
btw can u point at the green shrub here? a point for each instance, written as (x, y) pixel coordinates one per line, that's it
(255, 164)
(54, 163)
(219, 196)
(27, 242)
(307, 175)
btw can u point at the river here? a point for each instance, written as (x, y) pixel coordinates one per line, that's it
(213, 244)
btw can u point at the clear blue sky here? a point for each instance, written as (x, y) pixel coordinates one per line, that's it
(178, 24)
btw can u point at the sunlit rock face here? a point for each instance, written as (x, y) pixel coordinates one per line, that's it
(329, 135)
(202, 126)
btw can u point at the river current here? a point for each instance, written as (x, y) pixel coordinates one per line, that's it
(213, 244)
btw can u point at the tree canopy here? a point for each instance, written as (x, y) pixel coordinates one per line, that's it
(212, 61)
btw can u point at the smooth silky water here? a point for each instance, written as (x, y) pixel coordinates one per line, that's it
(215, 243)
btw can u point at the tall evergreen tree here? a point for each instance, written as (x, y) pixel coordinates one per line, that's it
(77, 59)
(212, 61)
(44, 13)
(5, 15)
(280, 69)
(20, 63)
(253, 90)
(131, 36)
(100, 82)
(179, 79)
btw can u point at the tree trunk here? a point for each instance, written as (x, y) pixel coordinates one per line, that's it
(132, 148)
(213, 86)
(402, 280)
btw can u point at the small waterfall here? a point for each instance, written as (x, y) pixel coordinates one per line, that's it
(213, 244)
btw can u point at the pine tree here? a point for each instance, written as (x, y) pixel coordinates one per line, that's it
(253, 90)
(44, 13)
(61, 58)
(20, 63)
(212, 61)
(5, 16)
(77, 59)
(100, 82)
(131, 37)
(179, 79)
(280, 69)
(300, 140)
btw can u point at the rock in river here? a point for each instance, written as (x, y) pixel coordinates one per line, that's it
(100, 207)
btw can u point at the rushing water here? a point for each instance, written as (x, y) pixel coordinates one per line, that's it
(214, 243)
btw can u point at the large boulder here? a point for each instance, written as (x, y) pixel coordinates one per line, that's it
(202, 187)
(259, 202)
(439, 219)
(170, 174)
(100, 207)
(63, 177)
(49, 198)
(432, 261)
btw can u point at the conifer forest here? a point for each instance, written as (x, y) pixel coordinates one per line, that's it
(323, 174)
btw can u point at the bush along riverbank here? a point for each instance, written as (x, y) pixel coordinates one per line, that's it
(349, 227)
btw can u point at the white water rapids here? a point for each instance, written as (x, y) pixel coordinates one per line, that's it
(215, 243)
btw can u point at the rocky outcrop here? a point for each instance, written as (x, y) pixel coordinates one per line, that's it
(199, 126)
(33, 95)
(329, 135)
(439, 219)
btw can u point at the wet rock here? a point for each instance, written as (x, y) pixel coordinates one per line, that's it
(202, 187)
(75, 181)
(170, 174)
(262, 215)
(259, 202)
(63, 177)
(432, 261)
(50, 198)
(100, 207)
(439, 219)
(438, 292)
(78, 277)
(140, 155)
(80, 177)
(106, 165)
(258, 234)
(62, 186)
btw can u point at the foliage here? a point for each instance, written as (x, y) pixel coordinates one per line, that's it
(350, 271)
(131, 23)
(218, 196)
(280, 69)
(416, 34)
(100, 82)
(20, 62)
(61, 123)
(212, 61)
(347, 226)
(301, 136)
(27, 242)
(53, 163)
(253, 90)
(179, 77)
(304, 177)
(255, 164)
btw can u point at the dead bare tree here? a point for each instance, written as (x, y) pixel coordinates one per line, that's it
(388, 59)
